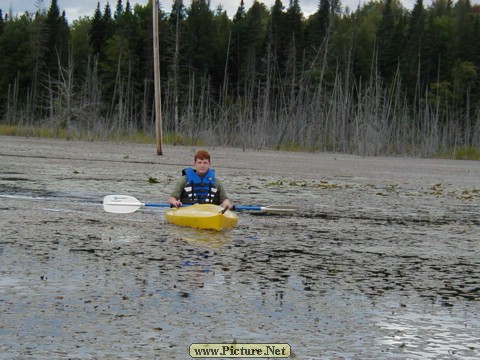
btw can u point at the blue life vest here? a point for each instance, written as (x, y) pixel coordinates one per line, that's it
(200, 190)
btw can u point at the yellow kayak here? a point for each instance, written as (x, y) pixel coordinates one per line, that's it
(202, 216)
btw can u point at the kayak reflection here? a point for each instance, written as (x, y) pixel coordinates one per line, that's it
(206, 239)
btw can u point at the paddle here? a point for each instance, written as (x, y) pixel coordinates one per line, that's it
(125, 204)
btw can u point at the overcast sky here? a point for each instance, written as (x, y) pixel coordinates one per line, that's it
(76, 8)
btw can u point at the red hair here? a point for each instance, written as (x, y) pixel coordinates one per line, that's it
(202, 155)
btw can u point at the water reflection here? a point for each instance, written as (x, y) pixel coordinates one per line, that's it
(430, 332)
(328, 292)
(209, 239)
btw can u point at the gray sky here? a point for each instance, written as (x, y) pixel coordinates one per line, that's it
(76, 8)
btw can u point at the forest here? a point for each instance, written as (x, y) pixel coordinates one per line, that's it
(376, 80)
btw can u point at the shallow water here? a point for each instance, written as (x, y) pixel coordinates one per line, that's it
(372, 267)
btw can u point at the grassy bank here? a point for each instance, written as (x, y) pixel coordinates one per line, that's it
(139, 137)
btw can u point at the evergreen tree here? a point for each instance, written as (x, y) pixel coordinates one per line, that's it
(464, 47)
(240, 14)
(81, 49)
(476, 40)
(440, 38)
(108, 22)
(476, 55)
(201, 30)
(441, 8)
(175, 35)
(414, 53)
(178, 12)
(16, 58)
(238, 48)
(293, 22)
(256, 21)
(464, 72)
(416, 27)
(278, 35)
(437, 48)
(97, 31)
(387, 58)
(399, 37)
(124, 23)
(118, 10)
(57, 38)
(363, 24)
(317, 26)
(323, 18)
(223, 29)
(2, 23)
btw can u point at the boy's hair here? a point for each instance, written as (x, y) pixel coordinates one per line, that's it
(202, 155)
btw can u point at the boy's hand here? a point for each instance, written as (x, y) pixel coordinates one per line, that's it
(226, 204)
(174, 202)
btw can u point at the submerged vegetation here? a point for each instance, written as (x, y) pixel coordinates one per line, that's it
(381, 79)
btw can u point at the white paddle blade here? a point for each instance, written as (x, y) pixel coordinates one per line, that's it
(121, 204)
(280, 209)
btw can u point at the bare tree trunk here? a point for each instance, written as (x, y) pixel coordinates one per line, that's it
(176, 59)
(156, 65)
(67, 93)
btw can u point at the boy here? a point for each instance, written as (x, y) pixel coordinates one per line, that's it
(199, 185)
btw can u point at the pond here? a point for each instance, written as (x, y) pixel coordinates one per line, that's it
(377, 264)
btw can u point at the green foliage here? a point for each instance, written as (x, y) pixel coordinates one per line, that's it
(182, 140)
(462, 153)
(57, 33)
(200, 28)
(293, 147)
(34, 131)
(17, 58)
(138, 137)
(81, 49)
(152, 180)
(10, 130)
(2, 23)
(264, 66)
(97, 31)
(316, 27)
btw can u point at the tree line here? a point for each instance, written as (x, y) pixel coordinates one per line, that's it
(379, 79)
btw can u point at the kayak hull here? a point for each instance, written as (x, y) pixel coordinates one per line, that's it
(202, 216)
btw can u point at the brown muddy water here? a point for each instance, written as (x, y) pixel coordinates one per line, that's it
(381, 262)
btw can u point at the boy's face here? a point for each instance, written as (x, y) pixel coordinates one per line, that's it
(202, 166)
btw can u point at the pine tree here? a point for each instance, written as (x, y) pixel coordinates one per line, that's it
(238, 48)
(323, 19)
(200, 30)
(240, 14)
(16, 57)
(2, 23)
(57, 38)
(293, 22)
(256, 21)
(413, 55)
(118, 10)
(441, 8)
(464, 46)
(108, 22)
(440, 38)
(278, 35)
(387, 60)
(317, 26)
(476, 40)
(97, 32)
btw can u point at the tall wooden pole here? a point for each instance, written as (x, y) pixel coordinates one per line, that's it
(156, 69)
